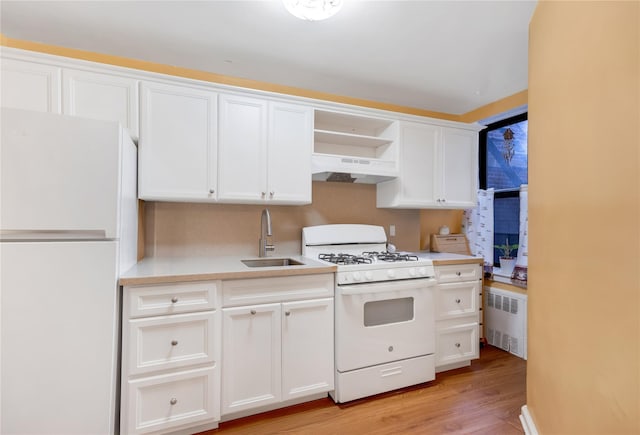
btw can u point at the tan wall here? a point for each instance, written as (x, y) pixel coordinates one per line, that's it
(179, 229)
(584, 198)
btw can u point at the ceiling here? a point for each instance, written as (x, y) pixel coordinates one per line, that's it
(447, 56)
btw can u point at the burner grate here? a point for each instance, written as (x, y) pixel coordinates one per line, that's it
(344, 259)
(390, 257)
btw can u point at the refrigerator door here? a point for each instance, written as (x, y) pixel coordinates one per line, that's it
(59, 173)
(59, 323)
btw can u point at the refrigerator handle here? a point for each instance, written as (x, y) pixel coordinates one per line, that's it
(27, 235)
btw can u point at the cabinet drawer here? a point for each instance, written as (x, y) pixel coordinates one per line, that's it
(168, 342)
(176, 298)
(278, 289)
(459, 272)
(456, 299)
(164, 402)
(365, 382)
(456, 344)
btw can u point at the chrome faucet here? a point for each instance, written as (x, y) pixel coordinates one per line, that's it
(265, 231)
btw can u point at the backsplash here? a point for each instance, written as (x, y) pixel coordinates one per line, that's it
(187, 229)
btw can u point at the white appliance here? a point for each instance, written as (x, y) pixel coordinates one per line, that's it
(384, 310)
(68, 226)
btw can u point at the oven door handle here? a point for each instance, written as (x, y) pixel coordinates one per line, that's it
(386, 287)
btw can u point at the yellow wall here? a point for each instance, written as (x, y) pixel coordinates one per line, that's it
(584, 199)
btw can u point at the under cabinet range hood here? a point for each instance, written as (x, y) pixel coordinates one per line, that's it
(354, 148)
(351, 169)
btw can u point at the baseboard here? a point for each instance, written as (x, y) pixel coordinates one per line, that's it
(527, 422)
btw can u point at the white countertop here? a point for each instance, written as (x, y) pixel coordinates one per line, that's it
(444, 258)
(156, 270)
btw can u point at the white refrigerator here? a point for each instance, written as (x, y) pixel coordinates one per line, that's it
(68, 221)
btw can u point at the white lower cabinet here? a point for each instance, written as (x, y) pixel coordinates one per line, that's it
(171, 339)
(280, 351)
(457, 315)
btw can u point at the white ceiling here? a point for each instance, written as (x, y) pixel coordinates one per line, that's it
(447, 56)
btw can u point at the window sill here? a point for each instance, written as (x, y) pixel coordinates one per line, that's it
(499, 276)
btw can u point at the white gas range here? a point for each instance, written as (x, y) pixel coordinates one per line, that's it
(384, 310)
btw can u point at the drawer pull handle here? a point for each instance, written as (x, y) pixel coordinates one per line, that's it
(174, 342)
(173, 401)
(458, 301)
(457, 344)
(174, 299)
(253, 312)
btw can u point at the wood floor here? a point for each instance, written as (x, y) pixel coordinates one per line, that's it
(484, 398)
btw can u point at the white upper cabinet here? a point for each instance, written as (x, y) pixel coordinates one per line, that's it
(264, 151)
(49, 88)
(30, 86)
(101, 96)
(438, 169)
(177, 147)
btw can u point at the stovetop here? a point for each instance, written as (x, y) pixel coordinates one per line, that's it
(368, 257)
(361, 254)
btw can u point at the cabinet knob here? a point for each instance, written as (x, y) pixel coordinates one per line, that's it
(173, 401)
(212, 191)
(458, 301)
(174, 342)
(174, 299)
(458, 273)
(287, 313)
(253, 312)
(271, 194)
(457, 344)
(263, 194)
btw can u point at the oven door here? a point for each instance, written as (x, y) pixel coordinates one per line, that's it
(383, 322)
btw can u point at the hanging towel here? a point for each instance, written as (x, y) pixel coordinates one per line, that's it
(477, 225)
(523, 244)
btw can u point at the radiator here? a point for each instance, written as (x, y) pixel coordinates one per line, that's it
(505, 320)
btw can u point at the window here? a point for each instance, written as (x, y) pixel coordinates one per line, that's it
(504, 167)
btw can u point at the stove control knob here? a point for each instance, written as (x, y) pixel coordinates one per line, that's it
(357, 276)
(423, 271)
(412, 272)
(391, 273)
(368, 276)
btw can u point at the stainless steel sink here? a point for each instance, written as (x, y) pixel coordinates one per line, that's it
(272, 262)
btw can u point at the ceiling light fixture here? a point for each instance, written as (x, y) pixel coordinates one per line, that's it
(313, 10)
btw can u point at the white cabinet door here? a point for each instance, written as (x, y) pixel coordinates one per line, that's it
(459, 182)
(289, 153)
(30, 86)
(417, 185)
(177, 147)
(307, 348)
(251, 357)
(101, 96)
(242, 148)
